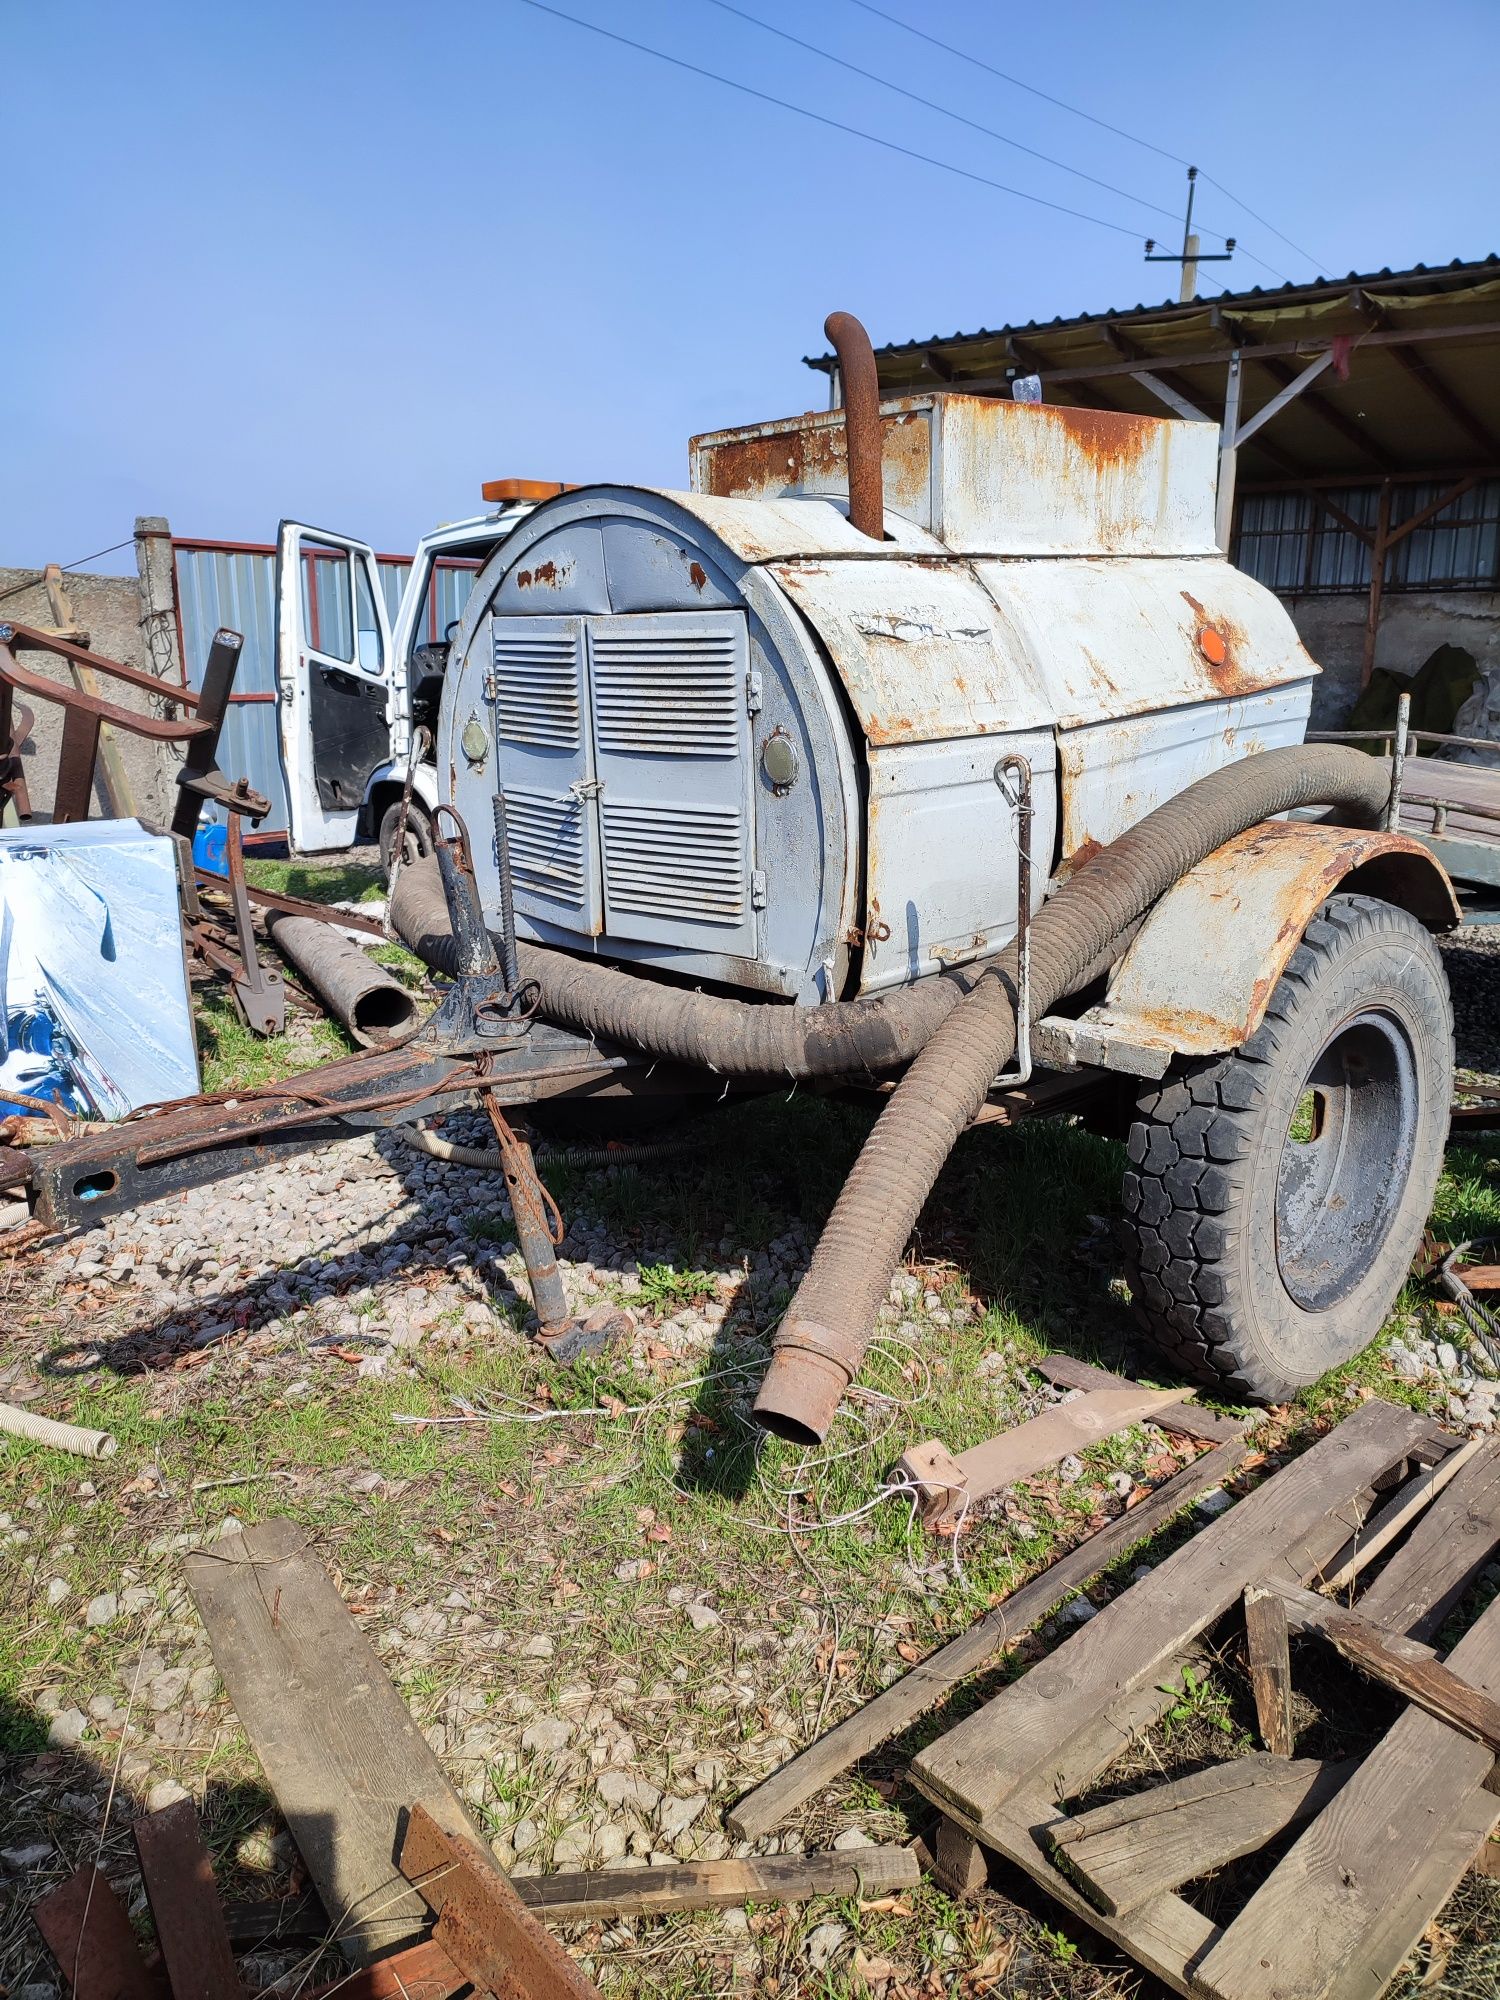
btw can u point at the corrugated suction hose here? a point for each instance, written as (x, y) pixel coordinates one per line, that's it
(820, 1343)
(732, 1037)
(957, 1031)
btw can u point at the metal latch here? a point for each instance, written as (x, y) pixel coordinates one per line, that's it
(757, 888)
(754, 698)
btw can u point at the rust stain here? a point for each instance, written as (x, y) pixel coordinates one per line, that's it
(811, 457)
(697, 575)
(890, 729)
(751, 467)
(1224, 651)
(1106, 437)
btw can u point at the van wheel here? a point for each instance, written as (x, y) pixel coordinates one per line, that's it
(418, 834)
(1276, 1195)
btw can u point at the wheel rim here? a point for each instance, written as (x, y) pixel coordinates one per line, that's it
(1345, 1159)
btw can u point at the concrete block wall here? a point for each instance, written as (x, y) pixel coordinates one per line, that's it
(1413, 624)
(131, 619)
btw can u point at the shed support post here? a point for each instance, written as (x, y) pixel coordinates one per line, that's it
(1228, 454)
(1379, 550)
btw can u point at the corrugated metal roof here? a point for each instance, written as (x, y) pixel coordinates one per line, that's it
(1257, 298)
(1417, 389)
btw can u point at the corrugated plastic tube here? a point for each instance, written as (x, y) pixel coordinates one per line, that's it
(62, 1437)
(957, 1031)
(818, 1348)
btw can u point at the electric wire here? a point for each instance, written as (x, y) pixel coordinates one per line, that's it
(36, 576)
(835, 124)
(945, 111)
(966, 55)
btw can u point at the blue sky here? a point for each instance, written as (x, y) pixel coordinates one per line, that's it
(345, 262)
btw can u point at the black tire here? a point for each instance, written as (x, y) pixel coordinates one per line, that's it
(1266, 1247)
(418, 832)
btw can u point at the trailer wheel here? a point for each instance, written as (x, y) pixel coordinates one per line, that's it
(1276, 1196)
(418, 833)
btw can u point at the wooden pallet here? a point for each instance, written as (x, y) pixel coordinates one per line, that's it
(1385, 1840)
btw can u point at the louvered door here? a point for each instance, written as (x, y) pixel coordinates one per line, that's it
(542, 737)
(669, 695)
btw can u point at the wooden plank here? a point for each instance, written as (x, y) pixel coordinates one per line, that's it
(482, 1923)
(1412, 1500)
(1126, 1853)
(960, 1865)
(1444, 1554)
(179, 1881)
(1384, 1843)
(1266, 1642)
(1406, 1666)
(339, 1747)
(952, 1483)
(1065, 1371)
(1380, 1951)
(900, 1704)
(84, 1926)
(717, 1885)
(1165, 1935)
(1029, 1726)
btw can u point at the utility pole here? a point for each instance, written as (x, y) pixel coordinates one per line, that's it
(1191, 256)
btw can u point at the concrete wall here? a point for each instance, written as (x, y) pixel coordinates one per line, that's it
(1413, 624)
(127, 621)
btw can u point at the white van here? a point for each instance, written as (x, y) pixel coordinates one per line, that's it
(353, 680)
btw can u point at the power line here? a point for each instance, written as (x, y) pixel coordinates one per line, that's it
(835, 124)
(1020, 83)
(32, 582)
(944, 110)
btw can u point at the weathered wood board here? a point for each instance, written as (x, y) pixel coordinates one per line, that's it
(339, 1747)
(1029, 1727)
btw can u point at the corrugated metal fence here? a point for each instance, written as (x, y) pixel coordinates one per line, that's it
(234, 584)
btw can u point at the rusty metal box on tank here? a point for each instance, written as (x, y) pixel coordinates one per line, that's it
(994, 478)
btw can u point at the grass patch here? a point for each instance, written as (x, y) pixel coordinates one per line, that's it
(320, 881)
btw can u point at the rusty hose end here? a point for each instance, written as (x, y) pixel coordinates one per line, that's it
(802, 1389)
(862, 442)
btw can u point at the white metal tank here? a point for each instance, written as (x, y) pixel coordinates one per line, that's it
(741, 740)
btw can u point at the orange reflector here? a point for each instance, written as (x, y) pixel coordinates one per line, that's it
(1213, 646)
(523, 489)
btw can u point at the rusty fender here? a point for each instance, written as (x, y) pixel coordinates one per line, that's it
(1200, 973)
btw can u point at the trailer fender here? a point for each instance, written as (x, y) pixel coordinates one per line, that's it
(1200, 972)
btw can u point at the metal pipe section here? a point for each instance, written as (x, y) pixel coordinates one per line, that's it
(376, 1008)
(862, 441)
(1014, 771)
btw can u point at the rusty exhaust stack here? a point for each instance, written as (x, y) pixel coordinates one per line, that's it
(861, 386)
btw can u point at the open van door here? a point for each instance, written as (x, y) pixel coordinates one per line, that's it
(333, 663)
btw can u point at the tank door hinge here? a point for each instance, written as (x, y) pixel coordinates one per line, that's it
(754, 701)
(757, 888)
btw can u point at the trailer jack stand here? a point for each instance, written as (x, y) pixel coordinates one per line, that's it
(566, 1337)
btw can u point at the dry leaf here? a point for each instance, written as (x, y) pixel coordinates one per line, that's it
(910, 1653)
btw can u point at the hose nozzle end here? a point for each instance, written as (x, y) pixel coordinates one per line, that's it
(802, 1389)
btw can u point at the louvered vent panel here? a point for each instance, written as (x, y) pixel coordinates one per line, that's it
(668, 694)
(536, 688)
(665, 860)
(546, 845)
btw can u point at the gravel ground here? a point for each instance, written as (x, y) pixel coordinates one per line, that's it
(600, 1672)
